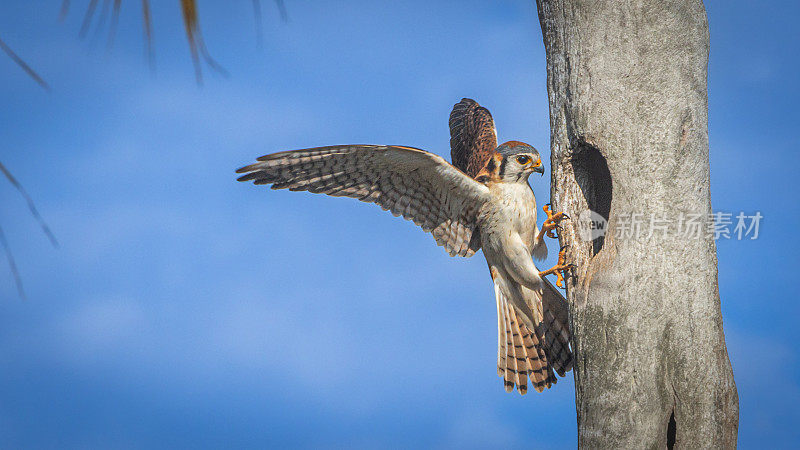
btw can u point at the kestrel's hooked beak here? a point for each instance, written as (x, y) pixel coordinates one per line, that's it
(538, 167)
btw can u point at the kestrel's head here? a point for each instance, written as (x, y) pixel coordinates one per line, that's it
(512, 162)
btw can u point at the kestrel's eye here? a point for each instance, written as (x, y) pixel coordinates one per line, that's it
(523, 160)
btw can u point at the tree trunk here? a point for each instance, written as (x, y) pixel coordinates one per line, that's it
(629, 135)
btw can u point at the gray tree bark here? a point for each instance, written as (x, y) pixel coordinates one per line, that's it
(629, 134)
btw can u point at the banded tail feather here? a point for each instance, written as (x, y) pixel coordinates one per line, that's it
(520, 356)
(537, 352)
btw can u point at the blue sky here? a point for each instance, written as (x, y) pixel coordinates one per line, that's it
(184, 309)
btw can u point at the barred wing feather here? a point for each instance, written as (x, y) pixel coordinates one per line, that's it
(409, 182)
(473, 137)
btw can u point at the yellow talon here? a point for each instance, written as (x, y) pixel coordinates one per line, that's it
(559, 279)
(551, 223)
(560, 267)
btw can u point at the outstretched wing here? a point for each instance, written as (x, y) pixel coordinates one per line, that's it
(410, 182)
(473, 137)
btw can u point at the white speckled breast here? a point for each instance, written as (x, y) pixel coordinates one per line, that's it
(512, 213)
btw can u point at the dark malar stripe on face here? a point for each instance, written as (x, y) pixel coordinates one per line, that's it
(490, 165)
(503, 167)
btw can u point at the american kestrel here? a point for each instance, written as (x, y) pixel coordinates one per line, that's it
(482, 201)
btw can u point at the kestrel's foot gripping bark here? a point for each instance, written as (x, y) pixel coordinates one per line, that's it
(551, 223)
(560, 268)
